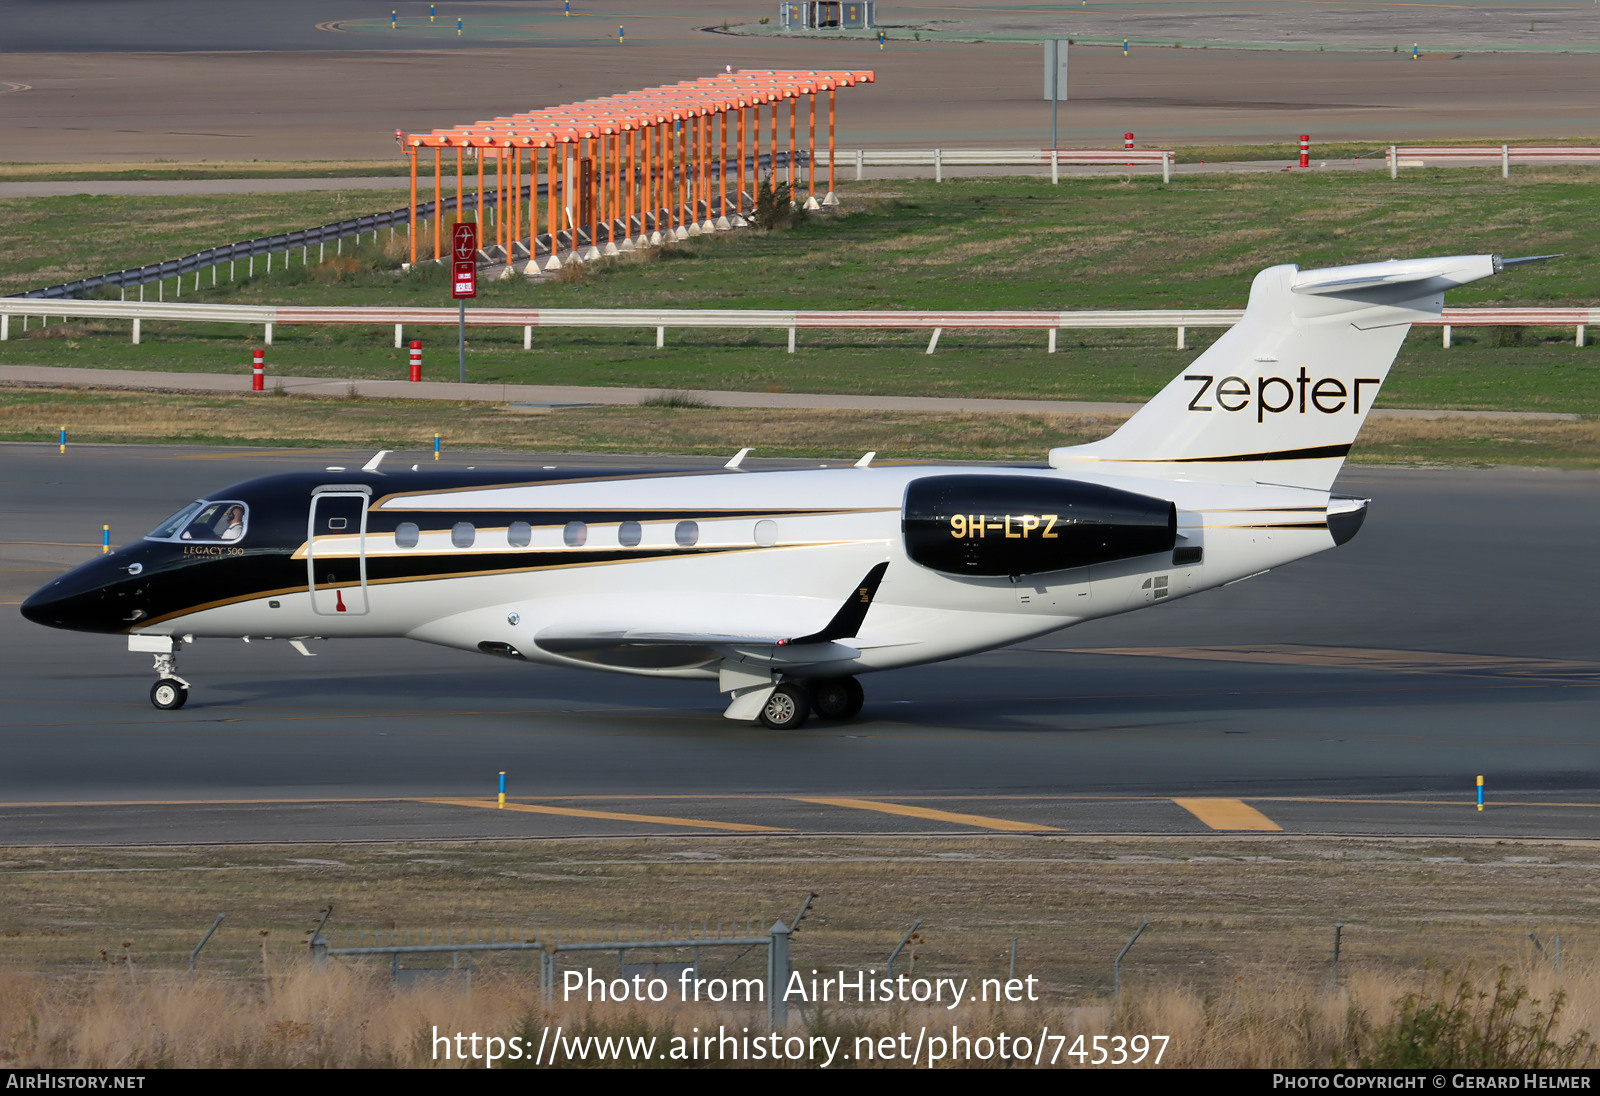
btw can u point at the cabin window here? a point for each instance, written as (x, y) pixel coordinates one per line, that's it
(766, 532)
(406, 534)
(687, 534)
(217, 523)
(462, 534)
(575, 535)
(519, 534)
(629, 534)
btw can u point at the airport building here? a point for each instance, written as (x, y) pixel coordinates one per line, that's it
(827, 14)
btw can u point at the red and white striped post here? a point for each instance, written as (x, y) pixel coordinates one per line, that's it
(1127, 141)
(1305, 150)
(416, 360)
(258, 371)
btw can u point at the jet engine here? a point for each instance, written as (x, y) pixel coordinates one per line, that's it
(1025, 525)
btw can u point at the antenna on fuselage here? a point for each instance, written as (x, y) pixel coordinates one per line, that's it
(733, 465)
(867, 459)
(372, 465)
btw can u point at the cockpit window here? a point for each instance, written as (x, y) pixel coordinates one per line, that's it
(217, 522)
(169, 528)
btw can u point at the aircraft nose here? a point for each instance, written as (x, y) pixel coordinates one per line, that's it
(79, 600)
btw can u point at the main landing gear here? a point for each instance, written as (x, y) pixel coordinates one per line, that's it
(831, 698)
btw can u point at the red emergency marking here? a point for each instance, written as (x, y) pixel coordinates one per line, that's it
(1305, 150)
(338, 601)
(416, 360)
(258, 371)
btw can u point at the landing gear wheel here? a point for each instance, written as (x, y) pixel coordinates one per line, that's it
(786, 709)
(169, 694)
(836, 697)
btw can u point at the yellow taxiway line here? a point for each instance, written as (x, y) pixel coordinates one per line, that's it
(613, 816)
(978, 820)
(1228, 814)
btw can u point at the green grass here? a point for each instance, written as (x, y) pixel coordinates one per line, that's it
(47, 241)
(1103, 243)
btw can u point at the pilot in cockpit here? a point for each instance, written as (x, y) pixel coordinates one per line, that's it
(232, 525)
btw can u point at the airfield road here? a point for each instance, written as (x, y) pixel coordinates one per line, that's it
(188, 79)
(1359, 692)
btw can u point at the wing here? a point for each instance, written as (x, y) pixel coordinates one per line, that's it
(790, 631)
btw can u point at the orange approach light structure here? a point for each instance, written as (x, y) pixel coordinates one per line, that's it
(627, 170)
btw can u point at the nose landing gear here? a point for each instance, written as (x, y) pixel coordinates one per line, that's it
(170, 692)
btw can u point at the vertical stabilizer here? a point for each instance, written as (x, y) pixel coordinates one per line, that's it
(1281, 396)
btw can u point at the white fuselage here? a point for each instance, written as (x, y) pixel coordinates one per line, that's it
(828, 527)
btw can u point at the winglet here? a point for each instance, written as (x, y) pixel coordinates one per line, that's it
(377, 459)
(733, 465)
(866, 460)
(847, 621)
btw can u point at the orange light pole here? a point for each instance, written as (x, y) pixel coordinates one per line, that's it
(438, 196)
(589, 191)
(533, 208)
(738, 193)
(702, 169)
(550, 195)
(616, 183)
(793, 102)
(646, 210)
(597, 187)
(722, 170)
(811, 154)
(628, 179)
(830, 199)
(459, 187)
(411, 236)
(477, 210)
(773, 173)
(499, 193)
(515, 225)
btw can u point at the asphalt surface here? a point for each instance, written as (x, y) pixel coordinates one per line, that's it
(1359, 692)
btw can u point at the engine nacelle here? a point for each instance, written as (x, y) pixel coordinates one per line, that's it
(1026, 525)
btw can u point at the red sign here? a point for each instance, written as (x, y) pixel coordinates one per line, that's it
(464, 260)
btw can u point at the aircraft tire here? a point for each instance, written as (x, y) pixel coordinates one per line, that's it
(786, 709)
(169, 694)
(836, 698)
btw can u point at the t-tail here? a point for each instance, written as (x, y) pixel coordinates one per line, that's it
(1281, 396)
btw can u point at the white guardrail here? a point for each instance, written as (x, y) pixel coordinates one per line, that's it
(267, 316)
(1399, 156)
(1055, 159)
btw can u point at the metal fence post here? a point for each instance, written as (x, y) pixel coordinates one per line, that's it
(1055, 167)
(1338, 930)
(1116, 968)
(1394, 163)
(938, 165)
(861, 156)
(1505, 161)
(778, 976)
(195, 954)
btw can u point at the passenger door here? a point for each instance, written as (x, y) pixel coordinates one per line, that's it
(336, 549)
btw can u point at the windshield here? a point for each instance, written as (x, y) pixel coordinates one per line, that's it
(169, 528)
(216, 521)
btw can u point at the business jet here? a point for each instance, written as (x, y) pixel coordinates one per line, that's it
(783, 586)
